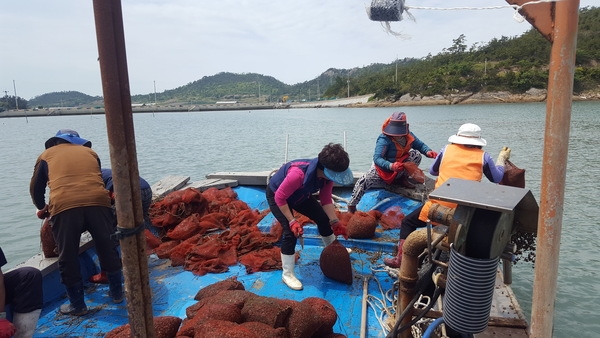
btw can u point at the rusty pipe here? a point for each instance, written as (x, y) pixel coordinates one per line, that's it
(413, 246)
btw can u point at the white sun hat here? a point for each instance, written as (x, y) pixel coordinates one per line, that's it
(470, 134)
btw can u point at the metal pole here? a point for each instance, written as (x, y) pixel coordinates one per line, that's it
(121, 138)
(363, 317)
(556, 145)
(16, 100)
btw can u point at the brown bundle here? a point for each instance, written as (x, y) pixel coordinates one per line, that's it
(513, 175)
(361, 225)
(48, 242)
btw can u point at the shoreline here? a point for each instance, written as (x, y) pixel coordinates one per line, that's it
(363, 101)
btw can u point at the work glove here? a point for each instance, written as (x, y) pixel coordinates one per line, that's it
(296, 228)
(43, 213)
(7, 329)
(397, 166)
(503, 156)
(431, 154)
(339, 229)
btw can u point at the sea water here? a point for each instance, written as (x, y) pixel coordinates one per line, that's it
(198, 143)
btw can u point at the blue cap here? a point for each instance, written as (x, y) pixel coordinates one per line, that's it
(70, 136)
(340, 177)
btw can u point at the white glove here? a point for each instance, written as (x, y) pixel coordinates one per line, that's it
(503, 156)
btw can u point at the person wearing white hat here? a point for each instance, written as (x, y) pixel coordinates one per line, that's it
(462, 158)
(291, 189)
(395, 146)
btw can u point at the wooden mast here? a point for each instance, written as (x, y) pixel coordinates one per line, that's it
(121, 138)
(557, 22)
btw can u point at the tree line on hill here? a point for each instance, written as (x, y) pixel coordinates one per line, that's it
(513, 64)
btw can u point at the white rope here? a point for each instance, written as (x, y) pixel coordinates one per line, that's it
(516, 7)
(386, 11)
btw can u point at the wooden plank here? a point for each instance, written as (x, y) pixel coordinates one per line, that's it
(244, 178)
(167, 185)
(212, 183)
(255, 177)
(47, 265)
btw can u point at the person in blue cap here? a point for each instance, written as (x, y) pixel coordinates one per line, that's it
(291, 189)
(78, 202)
(395, 146)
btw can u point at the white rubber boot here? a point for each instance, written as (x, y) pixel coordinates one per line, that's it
(329, 239)
(25, 323)
(288, 276)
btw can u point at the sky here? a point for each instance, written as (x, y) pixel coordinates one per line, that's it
(50, 46)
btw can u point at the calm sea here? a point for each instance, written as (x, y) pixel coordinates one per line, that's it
(199, 143)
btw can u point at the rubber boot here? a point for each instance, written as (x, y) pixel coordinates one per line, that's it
(25, 323)
(396, 261)
(115, 286)
(288, 276)
(77, 305)
(329, 239)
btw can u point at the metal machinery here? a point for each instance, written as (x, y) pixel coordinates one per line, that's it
(477, 234)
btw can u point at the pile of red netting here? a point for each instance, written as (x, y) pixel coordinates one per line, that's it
(212, 230)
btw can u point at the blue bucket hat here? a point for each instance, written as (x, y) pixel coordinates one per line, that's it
(340, 177)
(70, 136)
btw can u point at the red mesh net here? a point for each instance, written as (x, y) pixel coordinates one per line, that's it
(164, 327)
(392, 218)
(414, 172)
(48, 243)
(361, 225)
(189, 216)
(335, 263)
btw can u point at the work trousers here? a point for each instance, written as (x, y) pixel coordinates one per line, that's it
(310, 208)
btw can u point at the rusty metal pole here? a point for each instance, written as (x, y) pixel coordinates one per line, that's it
(121, 138)
(556, 144)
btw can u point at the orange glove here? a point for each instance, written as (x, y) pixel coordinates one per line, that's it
(339, 229)
(296, 228)
(397, 166)
(431, 154)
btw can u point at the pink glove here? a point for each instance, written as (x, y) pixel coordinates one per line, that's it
(397, 166)
(43, 214)
(431, 154)
(7, 329)
(296, 228)
(339, 229)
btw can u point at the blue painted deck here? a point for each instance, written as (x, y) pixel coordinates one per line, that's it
(174, 289)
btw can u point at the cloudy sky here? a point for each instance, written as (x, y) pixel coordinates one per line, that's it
(50, 46)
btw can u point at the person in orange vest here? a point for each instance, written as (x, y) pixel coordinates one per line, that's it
(395, 146)
(463, 158)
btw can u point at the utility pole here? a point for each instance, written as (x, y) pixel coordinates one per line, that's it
(318, 90)
(16, 100)
(154, 92)
(396, 78)
(348, 81)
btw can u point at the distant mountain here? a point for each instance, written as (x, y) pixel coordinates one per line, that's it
(65, 99)
(514, 64)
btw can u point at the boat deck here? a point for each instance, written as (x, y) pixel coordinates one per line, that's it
(174, 289)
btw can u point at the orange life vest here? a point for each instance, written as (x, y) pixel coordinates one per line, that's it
(458, 161)
(401, 154)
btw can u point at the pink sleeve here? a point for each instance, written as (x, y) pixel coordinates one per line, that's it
(292, 182)
(325, 193)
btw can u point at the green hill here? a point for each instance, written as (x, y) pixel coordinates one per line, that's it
(513, 64)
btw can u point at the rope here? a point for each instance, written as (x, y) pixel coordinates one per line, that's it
(387, 11)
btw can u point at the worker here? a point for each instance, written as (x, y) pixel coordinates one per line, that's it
(395, 146)
(463, 158)
(291, 189)
(78, 202)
